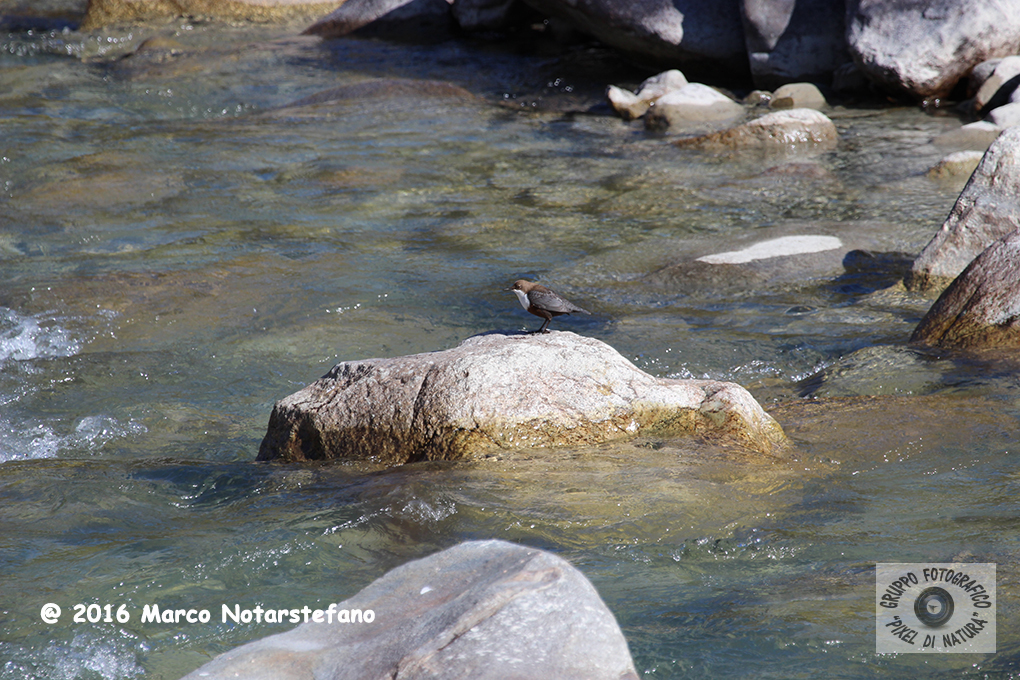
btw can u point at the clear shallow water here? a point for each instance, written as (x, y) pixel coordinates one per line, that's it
(178, 252)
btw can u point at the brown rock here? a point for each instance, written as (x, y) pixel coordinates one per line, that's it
(105, 12)
(987, 209)
(981, 308)
(796, 127)
(499, 391)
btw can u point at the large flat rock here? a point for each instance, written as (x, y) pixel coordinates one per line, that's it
(499, 391)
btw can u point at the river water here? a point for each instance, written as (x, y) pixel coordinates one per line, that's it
(179, 248)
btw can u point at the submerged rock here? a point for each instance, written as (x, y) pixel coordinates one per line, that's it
(981, 308)
(500, 391)
(976, 136)
(987, 209)
(876, 370)
(481, 609)
(923, 49)
(796, 127)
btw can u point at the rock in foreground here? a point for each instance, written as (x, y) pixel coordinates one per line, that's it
(482, 609)
(981, 308)
(500, 391)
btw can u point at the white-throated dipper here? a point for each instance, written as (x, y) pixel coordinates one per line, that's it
(543, 302)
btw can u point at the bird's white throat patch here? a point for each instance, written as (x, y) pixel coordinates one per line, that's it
(523, 298)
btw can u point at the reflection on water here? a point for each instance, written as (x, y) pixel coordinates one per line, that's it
(180, 248)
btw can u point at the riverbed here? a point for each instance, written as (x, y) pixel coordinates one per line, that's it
(186, 237)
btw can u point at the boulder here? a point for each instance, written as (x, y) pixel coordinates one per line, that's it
(498, 391)
(105, 12)
(693, 103)
(981, 308)
(922, 49)
(979, 74)
(987, 209)
(634, 105)
(426, 20)
(1005, 116)
(486, 15)
(797, 96)
(481, 609)
(849, 79)
(796, 256)
(395, 92)
(777, 130)
(707, 36)
(790, 40)
(999, 85)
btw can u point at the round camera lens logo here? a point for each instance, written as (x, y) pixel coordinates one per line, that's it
(934, 608)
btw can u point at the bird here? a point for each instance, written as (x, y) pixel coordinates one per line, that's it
(543, 302)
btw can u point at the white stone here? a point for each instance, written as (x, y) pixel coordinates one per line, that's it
(1004, 71)
(1005, 116)
(695, 102)
(778, 247)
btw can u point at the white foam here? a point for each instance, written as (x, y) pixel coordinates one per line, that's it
(23, 338)
(98, 655)
(777, 247)
(34, 441)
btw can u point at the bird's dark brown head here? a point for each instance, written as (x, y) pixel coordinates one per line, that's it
(522, 284)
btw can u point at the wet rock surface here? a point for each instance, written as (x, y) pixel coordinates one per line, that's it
(502, 391)
(793, 128)
(481, 609)
(981, 308)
